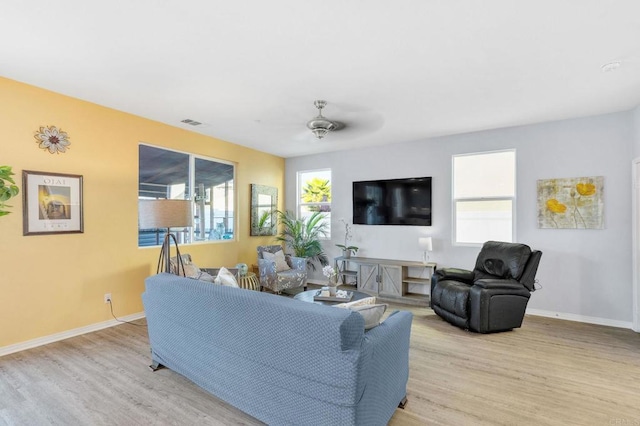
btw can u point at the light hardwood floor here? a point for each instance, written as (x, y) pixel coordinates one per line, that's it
(550, 372)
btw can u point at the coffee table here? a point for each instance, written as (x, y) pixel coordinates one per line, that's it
(307, 296)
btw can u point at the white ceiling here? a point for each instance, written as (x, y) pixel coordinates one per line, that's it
(394, 71)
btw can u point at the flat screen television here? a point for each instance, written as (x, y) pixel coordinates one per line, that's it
(392, 202)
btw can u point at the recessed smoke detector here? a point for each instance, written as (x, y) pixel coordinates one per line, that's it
(611, 66)
(191, 122)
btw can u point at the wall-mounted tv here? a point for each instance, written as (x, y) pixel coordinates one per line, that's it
(392, 202)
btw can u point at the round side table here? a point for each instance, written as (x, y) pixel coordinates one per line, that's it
(249, 281)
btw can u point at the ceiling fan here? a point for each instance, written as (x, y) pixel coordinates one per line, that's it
(320, 125)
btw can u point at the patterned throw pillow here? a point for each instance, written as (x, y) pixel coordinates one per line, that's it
(191, 270)
(278, 257)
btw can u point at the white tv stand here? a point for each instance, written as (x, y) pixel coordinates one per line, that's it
(402, 281)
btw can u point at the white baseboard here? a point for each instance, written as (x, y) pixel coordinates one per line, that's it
(6, 350)
(580, 318)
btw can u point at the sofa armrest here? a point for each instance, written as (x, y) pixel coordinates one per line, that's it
(298, 263)
(266, 267)
(455, 274)
(388, 365)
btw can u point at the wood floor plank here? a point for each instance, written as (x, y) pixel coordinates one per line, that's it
(549, 372)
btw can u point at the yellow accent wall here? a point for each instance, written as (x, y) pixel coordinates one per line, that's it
(53, 283)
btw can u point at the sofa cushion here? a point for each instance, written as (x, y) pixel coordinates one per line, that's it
(278, 257)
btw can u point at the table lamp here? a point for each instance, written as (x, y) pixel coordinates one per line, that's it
(426, 244)
(168, 214)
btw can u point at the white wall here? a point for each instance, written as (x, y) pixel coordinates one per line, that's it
(585, 274)
(636, 133)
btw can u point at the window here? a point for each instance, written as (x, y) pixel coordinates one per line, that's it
(484, 197)
(314, 194)
(177, 175)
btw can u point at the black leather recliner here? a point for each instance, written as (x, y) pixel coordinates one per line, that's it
(493, 297)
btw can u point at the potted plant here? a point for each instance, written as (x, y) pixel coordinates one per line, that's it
(302, 236)
(8, 188)
(347, 249)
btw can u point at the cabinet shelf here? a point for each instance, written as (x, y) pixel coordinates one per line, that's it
(415, 280)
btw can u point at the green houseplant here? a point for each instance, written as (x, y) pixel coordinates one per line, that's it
(8, 188)
(302, 236)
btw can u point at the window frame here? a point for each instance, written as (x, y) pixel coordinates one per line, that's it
(300, 204)
(454, 200)
(192, 189)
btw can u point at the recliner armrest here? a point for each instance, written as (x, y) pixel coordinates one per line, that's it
(499, 284)
(455, 274)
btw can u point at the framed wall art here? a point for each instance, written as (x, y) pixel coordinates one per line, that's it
(52, 203)
(264, 202)
(571, 203)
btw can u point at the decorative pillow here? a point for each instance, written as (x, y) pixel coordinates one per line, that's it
(226, 278)
(191, 270)
(174, 263)
(371, 313)
(278, 257)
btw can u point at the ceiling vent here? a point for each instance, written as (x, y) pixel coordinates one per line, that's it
(191, 122)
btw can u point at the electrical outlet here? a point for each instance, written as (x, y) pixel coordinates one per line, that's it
(107, 297)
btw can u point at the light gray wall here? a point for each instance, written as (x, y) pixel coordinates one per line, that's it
(585, 274)
(636, 133)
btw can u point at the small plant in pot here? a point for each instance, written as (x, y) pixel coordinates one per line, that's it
(347, 250)
(8, 188)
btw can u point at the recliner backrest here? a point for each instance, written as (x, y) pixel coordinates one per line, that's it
(529, 275)
(501, 260)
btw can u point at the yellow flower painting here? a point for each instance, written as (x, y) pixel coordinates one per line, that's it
(571, 203)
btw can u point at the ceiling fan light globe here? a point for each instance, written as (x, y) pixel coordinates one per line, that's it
(319, 132)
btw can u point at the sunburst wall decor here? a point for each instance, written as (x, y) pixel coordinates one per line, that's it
(52, 139)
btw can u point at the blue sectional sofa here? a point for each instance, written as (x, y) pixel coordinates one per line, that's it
(280, 360)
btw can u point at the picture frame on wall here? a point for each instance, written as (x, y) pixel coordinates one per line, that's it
(571, 203)
(52, 203)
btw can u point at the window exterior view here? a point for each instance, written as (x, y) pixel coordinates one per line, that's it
(209, 183)
(314, 195)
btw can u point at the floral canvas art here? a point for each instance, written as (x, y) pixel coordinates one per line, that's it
(571, 203)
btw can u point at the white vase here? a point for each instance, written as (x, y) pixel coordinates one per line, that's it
(332, 289)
